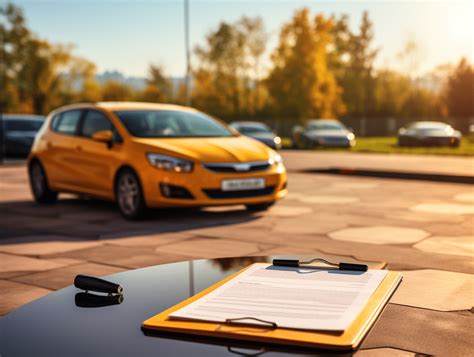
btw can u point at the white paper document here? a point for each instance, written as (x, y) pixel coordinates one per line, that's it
(299, 298)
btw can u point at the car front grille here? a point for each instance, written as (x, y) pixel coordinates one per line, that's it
(219, 194)
(237, 166)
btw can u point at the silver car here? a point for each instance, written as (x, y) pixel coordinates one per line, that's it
(323, 133)
(258, 131)
(429, 133)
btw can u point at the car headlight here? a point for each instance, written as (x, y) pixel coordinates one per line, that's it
(169, 163)
(350, 136)
(277, 140)
(275, 159)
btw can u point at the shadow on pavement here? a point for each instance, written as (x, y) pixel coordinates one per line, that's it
(86, 219)
(387, 174)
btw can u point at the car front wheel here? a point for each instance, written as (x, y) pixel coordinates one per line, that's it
(39, 184)
(129, 195)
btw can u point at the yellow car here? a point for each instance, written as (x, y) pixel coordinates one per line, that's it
(151, 155)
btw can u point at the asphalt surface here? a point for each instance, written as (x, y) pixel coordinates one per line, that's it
(424, 229)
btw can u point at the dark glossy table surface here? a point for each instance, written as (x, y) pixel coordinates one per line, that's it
(56, 326)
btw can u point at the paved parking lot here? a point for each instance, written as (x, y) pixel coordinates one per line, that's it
(424, 229)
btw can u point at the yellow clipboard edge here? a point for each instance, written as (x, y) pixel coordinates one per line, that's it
(347, 340)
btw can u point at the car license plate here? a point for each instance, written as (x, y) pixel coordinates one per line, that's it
(243, 184)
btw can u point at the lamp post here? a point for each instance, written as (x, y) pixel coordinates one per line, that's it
(188, 54)
(3, 84)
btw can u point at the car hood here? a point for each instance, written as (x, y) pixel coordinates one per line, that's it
(222, 149)
(327, 133)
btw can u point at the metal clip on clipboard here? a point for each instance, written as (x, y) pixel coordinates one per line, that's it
(272, 324)
(297, 264)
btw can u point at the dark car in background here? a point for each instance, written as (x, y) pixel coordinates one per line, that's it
(429, 133)
(17, 132)
(323, 133)
(258, 131)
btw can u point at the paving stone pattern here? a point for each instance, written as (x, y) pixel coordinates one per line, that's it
(423, 229)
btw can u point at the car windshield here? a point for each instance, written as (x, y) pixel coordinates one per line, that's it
(254, 129)
(23, 125)
(171, 124)
(325, 126)
(429, 126)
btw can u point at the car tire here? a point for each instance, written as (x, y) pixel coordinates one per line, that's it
(259, 207)
(129, 195)
(39, 184)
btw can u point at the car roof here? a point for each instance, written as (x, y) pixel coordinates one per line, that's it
(23, 117)
(114, 106)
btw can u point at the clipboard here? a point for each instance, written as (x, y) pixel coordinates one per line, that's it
(349, 339)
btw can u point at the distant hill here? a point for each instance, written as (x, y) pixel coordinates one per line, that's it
(134, 82)
(137, 83)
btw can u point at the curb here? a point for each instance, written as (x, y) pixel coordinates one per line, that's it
(402, 175)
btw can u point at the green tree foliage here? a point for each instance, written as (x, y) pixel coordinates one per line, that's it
(301, 84)
(226, 78)
(352, 58)
(158, 85)
(320, 68)
(460, 91)
(397, 95)
(114, 91)
(37, 75)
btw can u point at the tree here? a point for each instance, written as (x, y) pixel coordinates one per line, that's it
(357, 77)
(116, 91)
(255, 38)
(82, 83)
(410, 57)
(37, 75)
(391, 93)
(159, 87)
(460, 91)
(301, 84)
(221, 61)
(226, 80)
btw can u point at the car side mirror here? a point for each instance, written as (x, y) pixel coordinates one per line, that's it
(104, 136)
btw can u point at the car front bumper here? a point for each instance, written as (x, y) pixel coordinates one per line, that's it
(332, 142)
(205, 187)
(430, 140)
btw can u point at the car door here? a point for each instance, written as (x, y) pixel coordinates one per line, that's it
(97, 161)
(60, 155)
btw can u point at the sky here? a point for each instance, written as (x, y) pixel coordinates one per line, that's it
(129, 35)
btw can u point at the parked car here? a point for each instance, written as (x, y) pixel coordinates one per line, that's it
(152, 155)
(323, 133)
(258, 131)
(18, 132)
(429, 133)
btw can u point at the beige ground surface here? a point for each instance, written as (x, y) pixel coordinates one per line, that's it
(417, 227)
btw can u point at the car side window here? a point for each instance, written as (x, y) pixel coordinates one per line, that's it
(67, 122)
(96, 121)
